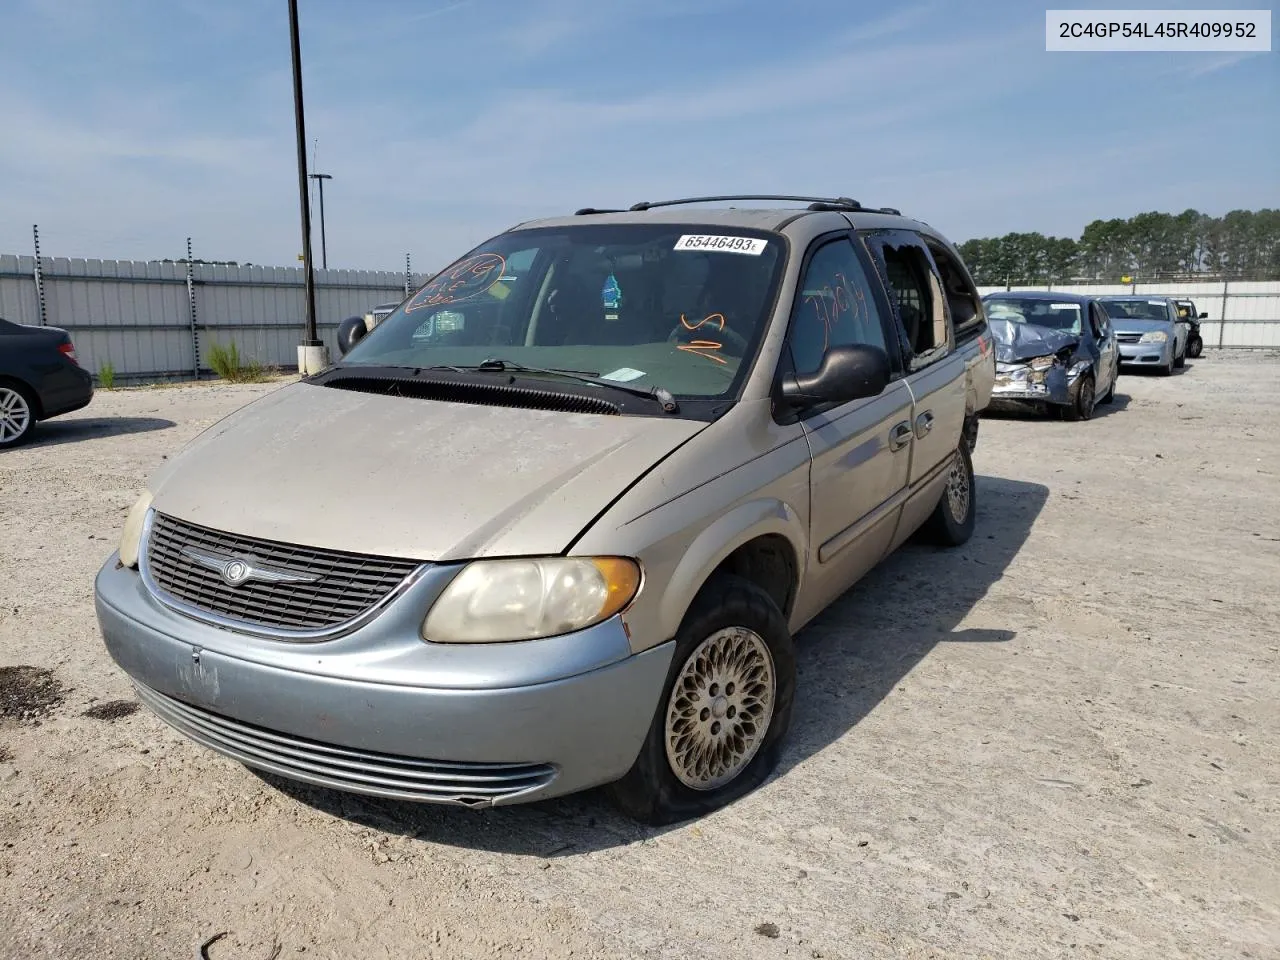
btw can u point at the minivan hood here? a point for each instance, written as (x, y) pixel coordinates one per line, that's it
(412, 478)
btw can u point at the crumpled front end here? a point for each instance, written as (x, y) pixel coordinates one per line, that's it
(1044, 380)
(1036, 364)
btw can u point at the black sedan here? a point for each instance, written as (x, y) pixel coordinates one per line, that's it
(39, 379)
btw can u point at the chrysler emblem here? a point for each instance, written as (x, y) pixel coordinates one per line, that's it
(237, 570)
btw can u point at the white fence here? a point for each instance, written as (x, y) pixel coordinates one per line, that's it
(155, 319)
(1242, 313)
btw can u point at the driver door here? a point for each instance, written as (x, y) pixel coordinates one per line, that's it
(1108, 352)
(860, 451)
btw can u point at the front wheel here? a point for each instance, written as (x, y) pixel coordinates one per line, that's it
(1085, 400)
(724, 710)
(1195, 347)
(952, 521)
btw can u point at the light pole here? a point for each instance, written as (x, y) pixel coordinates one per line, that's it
(311, 352)
(320, 178)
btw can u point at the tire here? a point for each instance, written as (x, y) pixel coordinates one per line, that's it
(1086, 400)
(1180, 361)
(943, 526)
(734, 615)
(17, 414)
(1195, 347)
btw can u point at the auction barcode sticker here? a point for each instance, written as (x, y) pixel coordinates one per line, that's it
(749, 245)
(1191, 31)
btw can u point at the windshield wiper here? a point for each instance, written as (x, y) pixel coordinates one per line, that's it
(660, 394)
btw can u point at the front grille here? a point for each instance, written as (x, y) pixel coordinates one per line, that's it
(357, 771)
(349, 584)
(1128, 337)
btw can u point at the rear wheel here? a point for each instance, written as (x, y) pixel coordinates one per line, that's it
(724, 711)
(952, 521)
(17, 414)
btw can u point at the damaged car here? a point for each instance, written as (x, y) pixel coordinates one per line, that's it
(1054, 351)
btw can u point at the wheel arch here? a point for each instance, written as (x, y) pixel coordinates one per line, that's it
(37, 408)
(763, 541)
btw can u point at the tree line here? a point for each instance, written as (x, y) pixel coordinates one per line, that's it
(1244, 244)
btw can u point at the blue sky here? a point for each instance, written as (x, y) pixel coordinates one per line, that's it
(132, 124)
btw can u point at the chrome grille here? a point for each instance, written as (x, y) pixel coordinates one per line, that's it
(1128, 337)
(358, 771)
(350, 585)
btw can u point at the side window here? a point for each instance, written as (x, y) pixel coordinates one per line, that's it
(962, 297)
(834, 307)
(1099, 320)
(917, 296)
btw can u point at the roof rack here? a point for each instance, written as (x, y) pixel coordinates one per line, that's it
(815, 203)
(588, 211)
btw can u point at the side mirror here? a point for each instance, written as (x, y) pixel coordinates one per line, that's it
(1203, 316)
(350, 331)
(847, 373)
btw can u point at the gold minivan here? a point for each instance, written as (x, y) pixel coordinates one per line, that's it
(554, 521)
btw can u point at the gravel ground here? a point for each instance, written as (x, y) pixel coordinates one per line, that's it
(1060, 740)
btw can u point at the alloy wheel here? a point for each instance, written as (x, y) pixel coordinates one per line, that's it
(958, 489)
(15, 415)
(720, 708)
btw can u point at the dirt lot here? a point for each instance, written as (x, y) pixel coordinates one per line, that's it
(1060, 740)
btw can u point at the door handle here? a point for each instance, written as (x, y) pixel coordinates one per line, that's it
(900, 436)
(924, 423)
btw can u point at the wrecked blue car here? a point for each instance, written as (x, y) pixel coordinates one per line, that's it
(1054, 351)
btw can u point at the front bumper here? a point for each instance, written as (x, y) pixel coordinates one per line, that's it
(380, 712)
(1011, 390)
(1146, 354)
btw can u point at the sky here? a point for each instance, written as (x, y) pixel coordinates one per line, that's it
(129, 125)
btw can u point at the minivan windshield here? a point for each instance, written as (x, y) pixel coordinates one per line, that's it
(680, 307)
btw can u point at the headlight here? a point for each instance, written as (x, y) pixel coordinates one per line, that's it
(1154, 336)
(131, 536)
(491, 601)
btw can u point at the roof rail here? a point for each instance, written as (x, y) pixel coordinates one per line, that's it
(588, 211)
(815, 203)
(892, 211)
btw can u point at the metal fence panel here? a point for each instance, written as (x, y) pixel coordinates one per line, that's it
(136, 315)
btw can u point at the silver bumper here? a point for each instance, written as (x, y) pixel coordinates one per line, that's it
(1147, 354)
(380, 712)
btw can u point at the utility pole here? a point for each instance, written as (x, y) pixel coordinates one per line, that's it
(320, 178)
(311, 352)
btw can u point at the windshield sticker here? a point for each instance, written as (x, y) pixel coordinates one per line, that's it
(1156, 303)
(623, 374)
(1064, 306)
(611, 295)
(703, 348)
(751, 246)
(468, 279)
